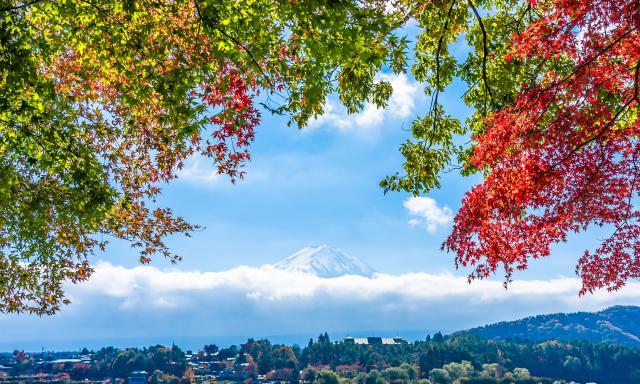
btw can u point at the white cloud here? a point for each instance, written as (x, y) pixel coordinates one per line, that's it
(199, 170)
(425, 211)
(370, 119)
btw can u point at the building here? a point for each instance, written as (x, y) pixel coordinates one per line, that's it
(138, 377)
(374, 340)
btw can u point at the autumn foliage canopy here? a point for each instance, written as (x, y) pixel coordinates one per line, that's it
(102, 102)
(564, 154)
(555, 133)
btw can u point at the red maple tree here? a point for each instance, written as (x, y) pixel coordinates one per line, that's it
(565, 155)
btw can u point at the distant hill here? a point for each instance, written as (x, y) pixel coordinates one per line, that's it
(618, 324)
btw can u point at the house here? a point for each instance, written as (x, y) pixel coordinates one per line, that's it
(356, 340)
(138, 377)
(218, 366)
(374, 340)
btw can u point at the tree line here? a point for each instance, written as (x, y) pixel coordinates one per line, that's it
(463, 358)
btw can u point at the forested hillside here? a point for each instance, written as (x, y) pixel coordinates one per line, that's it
(619, 324)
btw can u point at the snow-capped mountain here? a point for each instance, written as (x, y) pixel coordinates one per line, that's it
(325, 261)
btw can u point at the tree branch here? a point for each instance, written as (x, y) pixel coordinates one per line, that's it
(434, 102)
(485, 51)
(233, 39)
(21, 6)
(593, 58)
(591, 139)
(635, 82)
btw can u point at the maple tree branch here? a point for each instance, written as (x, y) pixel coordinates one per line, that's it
(434, 101)
(555, 94)
(253, 59)
(607, 126)
(21, 6)
(234, 40)
(406, 17)
(485, 51)
(536, 73)
(583, 192)
(635, 82)
(471, 87)
(593, 58)
(524, 13)
(591, 139)
(635, 175)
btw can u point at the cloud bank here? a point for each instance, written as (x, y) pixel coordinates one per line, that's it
(151, 288)
(120, 305)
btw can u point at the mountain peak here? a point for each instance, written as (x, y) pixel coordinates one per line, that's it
(325, 261)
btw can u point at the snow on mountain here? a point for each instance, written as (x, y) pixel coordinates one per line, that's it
(325, 261)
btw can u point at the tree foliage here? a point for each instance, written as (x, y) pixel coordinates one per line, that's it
(554, 89)
(103, 101)
(458, 359)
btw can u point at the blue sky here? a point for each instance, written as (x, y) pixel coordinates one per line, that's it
(305, 187)
(319, 185)
(312, 186)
